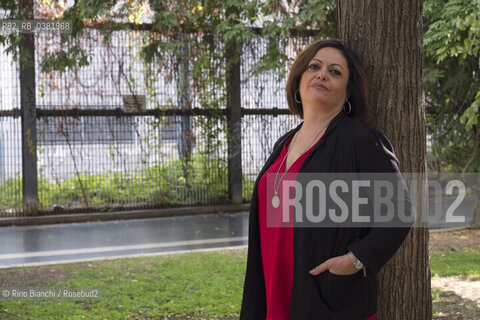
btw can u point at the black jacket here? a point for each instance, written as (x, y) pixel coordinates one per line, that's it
(347, 146)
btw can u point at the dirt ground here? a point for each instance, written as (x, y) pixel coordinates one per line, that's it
(454, 240)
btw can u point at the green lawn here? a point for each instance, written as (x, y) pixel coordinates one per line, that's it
(183, 286)
(464, 263)
(187, 286)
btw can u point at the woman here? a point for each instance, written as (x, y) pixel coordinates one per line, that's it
(319, 273)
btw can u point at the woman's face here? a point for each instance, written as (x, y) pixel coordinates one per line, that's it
(324, 83)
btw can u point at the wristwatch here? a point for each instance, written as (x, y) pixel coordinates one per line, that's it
(357, 263)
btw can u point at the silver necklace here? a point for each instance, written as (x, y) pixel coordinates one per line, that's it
(276, 198)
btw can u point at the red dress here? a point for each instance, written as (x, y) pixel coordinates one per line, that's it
(277, 242)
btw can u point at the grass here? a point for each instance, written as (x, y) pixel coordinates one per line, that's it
(464, 263)
(186, 286)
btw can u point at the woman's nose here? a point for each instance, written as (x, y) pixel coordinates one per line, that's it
(322, 74)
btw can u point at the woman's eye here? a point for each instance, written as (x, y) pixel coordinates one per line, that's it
(313, 67)
(335, 72)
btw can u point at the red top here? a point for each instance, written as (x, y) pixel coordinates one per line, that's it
(277, 241)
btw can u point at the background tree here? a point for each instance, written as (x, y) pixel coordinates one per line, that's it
(388, 39)
(452, 87)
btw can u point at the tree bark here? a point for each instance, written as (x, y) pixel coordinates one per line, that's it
(476, 212)
(387, 35)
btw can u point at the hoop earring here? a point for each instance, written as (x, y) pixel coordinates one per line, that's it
(295, 97)
(349, 107)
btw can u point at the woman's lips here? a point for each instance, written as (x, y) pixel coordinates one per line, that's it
(319, 86)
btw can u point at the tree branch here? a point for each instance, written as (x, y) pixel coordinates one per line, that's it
(474, 154)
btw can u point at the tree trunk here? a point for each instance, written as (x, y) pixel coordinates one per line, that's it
(387, 35)
(476, 217)
(476, 212)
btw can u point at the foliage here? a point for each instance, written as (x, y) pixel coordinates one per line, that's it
(278, 18)
(11, 191)
(163, 184)
(229, 22)
(452, 83)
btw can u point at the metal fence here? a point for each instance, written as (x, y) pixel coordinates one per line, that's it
(94, 153)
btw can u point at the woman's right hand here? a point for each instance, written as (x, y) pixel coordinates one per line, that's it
(341, 265)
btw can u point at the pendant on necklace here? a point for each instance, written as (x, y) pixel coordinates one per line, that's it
(275, 201)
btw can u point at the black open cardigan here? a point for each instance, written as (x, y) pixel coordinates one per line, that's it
(346, 146)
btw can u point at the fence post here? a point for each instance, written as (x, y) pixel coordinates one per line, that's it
(234, 125)
(29, 116)
(184, 101)
(2, 145)
(2, 155)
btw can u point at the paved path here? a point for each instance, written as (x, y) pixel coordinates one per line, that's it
(75, 242)
(467, 289)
